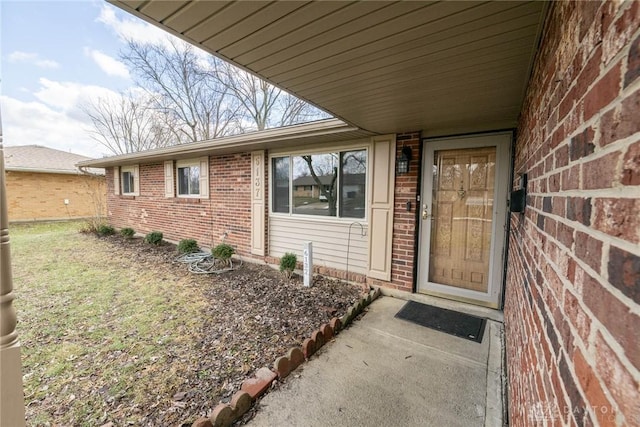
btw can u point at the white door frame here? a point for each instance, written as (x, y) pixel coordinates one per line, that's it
(502, 142)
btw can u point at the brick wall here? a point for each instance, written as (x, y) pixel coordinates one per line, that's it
(226, 214)
(404, 222)
(40, 196)
(572, 309)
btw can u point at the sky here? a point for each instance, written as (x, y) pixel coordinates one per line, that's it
(55, 57)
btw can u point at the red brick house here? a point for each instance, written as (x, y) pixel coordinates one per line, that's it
(481, 99)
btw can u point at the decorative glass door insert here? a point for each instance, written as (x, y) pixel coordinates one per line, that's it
(462, 217)
(464, 212)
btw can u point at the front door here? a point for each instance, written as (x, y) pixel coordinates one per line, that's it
(462, 230)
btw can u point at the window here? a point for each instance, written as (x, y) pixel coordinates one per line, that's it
(189, 180)
(280, 188)
(129, 180)
(353, 183)
(334, 184)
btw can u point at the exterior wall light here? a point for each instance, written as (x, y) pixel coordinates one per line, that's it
(403, 161)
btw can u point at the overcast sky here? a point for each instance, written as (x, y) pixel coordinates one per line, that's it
(55, 55)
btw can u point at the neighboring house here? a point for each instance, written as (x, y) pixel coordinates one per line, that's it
(480, 99)
(45, 184)
(307, 186)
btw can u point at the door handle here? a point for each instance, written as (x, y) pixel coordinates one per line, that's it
(461, 192)
(425, 213)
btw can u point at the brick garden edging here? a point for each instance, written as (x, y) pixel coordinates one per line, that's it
(226, 414)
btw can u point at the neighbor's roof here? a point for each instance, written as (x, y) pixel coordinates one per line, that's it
(36, 158)
(328, 130)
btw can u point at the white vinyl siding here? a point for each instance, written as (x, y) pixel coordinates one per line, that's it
(330, 238)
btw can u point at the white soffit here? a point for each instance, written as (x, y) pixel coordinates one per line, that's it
(379, 65)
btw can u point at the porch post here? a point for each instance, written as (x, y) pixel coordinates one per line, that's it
(11, 392)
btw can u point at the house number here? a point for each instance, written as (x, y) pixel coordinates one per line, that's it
(257, 182)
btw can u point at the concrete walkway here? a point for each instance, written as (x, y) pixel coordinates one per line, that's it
(386, 371)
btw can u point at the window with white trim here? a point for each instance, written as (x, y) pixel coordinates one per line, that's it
(129, 180)
(331, 184)
(191, 178)
(188, 179)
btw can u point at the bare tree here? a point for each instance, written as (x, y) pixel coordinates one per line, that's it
(292, 110)
(126, 124)
(191, 96)
(264, 105)
(321, 166)
(324, 169)
(329, 191)
(96, 189)
(196, 103)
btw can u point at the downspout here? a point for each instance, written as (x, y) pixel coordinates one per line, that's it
(11, 391)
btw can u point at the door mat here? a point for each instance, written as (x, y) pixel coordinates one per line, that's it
(447, 321)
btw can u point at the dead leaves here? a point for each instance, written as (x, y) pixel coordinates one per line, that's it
(182, 366)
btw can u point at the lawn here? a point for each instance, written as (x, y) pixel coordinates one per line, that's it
(116, 332)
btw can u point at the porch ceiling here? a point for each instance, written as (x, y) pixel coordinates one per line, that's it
(383, 66)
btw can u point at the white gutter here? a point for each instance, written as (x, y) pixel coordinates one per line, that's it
(42, 170)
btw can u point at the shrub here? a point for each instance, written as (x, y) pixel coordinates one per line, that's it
(92, 223)
(127, 232)
(223, 252)
(89, 227)
(188, 246)
(288, 263)
(105, 230)
(154, 237)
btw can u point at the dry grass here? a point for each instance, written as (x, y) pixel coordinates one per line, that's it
(111, 330)
(95, 329)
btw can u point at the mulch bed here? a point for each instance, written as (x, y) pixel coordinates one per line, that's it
(254, 315)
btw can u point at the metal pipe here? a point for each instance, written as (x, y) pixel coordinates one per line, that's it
(362, 234)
